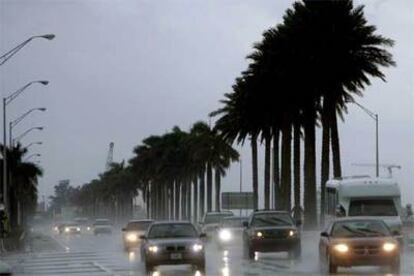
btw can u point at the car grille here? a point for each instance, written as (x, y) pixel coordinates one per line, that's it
(175, 248)
(275, 234)
(364, 250)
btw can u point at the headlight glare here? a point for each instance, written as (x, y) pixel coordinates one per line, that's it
(131, 237)
(78, 229)
(153, 249)
(341, 248)
(259, 234)
(225, 235)
(197, 247)
(292, 233)
(389, 246)
(67, 229)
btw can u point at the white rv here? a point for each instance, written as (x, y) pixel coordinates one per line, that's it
(365, 196)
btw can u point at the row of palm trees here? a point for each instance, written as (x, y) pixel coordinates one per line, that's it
(174, 171)
(301, 76)
(22, 185)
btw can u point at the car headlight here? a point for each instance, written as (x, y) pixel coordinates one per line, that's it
(77, 229)
(341, 248)
(389, 246)
(259, 234)
(88, 228)
(153, 249)
(197, 247)
(225, 235)
(56, 228)
(67, 229)
(292, 233)
(131, 237)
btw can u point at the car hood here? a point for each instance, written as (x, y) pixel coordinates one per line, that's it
(363, 240)
(181, 241)
(394, 223)
(264, 228)
(102, 226)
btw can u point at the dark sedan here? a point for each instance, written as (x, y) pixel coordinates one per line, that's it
(171, 243)
(271, 231)
(358, 242)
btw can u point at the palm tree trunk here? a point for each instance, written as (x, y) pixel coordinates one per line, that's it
(325, 156)
(202, 193)
(195, 202)
(296, 169)
(177, 200)
(286, 166)
(255, 181)
(188, 201)
(336, 152)
(267, 173)
(217, 180)
(209, 187)
(310, 169)
(276, 174)
(171, 201)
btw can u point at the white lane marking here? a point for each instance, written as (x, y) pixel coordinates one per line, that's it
(104, 269)
(62, 244)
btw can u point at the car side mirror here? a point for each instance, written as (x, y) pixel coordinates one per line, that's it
(245, 224)
(298, 222)
(123, 229)
(325, 235)
(142, 237)
(340, 211)
(203, 235)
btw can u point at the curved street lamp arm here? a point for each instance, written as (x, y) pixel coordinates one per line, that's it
(13, 51)
(25, 133)
(18, 120)
(15, 94)
(369, 112)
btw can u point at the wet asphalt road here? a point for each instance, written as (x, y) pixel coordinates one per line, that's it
(89, 255)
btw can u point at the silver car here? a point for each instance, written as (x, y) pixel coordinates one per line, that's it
(171, 243)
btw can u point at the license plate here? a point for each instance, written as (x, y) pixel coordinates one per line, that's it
(176, 256)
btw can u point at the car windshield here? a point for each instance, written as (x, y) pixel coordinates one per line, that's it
(372, 207)
(215, 218)
(351, 229)
(102, 222)
(138, 225)
(176, 230)
(271, 219)
(232, 222)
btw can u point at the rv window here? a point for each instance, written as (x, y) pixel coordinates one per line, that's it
(372, 207)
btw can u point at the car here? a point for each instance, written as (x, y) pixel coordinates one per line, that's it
(364, 241)
(229, 231)
(271, 231)
(133, 230)
(83, 222)
(102, 226)
(172, 243)
(211, 221)
(71, 228)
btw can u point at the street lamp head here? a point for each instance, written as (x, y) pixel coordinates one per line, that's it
(39, 128)
(44, 82)
(48, 36)
(42, 109)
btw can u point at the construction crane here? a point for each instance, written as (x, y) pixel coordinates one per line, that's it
(389, 167)
(109, 158)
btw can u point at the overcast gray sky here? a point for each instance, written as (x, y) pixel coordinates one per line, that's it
(121, 70)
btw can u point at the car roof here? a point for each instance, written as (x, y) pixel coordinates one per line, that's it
(270, 211)
(234, 218)
(364, 218)
(219, 213)
(171, 222)
(140, 220)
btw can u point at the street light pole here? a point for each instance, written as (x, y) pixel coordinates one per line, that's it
(32, 155)
(33, 143)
